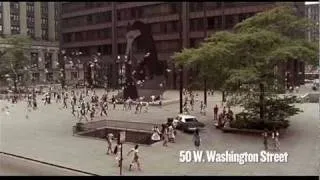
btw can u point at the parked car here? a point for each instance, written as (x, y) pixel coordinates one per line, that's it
(187, 123)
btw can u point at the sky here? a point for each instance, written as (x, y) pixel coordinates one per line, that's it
(312, 2)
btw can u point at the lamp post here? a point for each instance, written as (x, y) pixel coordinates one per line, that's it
(205, 91)
(261, 85)
(122, 67)
(181, 88)
(62, 59)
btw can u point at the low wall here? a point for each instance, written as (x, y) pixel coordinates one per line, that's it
(132, 135)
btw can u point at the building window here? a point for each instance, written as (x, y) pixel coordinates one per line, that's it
(122, 48)
(44, 34)
(229, 21)
(14, 17)
(35, 76)
(1, 30)
(121, 31)
(34, 59)
(30, 32)
(30, 7)
(215, 22)
(107, 49)
(196, 24)
(44, 8)
(48, 60)
(74, 75)
(49, 76)
(15, 29)
(14, 5)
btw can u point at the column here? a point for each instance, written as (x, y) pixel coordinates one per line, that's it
(55, 60)
(6, 18)
(23, 18)
(114, 44)
(185, 36)
(185, 24)
(51, 21)
(41, 65)
(37, 20)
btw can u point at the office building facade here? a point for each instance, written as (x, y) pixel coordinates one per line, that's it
(39, 21)
(100, 27)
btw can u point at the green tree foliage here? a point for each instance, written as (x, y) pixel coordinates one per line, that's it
(253, 48)
(13, 57)
(239, 60)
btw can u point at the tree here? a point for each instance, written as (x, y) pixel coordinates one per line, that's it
(248, 56)
(13, 60)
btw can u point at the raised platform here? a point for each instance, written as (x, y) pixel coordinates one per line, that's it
(136, 132)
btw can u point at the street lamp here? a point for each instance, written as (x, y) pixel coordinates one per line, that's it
(121, 63)
(181, 88)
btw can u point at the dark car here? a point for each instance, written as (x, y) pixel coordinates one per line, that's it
(187, 123)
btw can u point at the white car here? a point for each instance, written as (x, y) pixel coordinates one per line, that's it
(187, 123)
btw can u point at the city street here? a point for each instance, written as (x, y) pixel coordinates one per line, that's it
(46, 135)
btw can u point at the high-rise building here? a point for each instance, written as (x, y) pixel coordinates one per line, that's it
(312, 13)
(100, 27)
(38, 20)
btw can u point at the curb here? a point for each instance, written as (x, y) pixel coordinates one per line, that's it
(50, 164)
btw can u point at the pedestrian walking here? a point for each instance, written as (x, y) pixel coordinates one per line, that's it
(135, 157)
(201, 107)
(197, 139)
(276, 140)
(103, 108)
(83, 115)
(137, 108)
(113, 100)
(109, 143)
(65, 101)
(88, 106)
(117, 152)
(192, 103)
(129, 103)
(265, 139)
(171, 134)
(215, 112)
(73, 108)
(140, 106)
(92, 112)
(165, 135)
(147, 107)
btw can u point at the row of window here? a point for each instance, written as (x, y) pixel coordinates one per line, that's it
(14, 17)
(30, 7)
(47, 60)
(96, 18)
(87, 35)
(44, 34)
(14, 5)
(216, 22)
(148, 11)
(44, 8)
(15, 29)
(199, 6)
(72, 7)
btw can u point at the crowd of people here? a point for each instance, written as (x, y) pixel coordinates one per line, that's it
(85, 104)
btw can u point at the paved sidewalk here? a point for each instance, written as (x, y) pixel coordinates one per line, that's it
(46, 135)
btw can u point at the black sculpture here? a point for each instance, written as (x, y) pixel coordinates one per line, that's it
(143, 78)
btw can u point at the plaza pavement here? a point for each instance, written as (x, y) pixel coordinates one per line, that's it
(46, 135)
